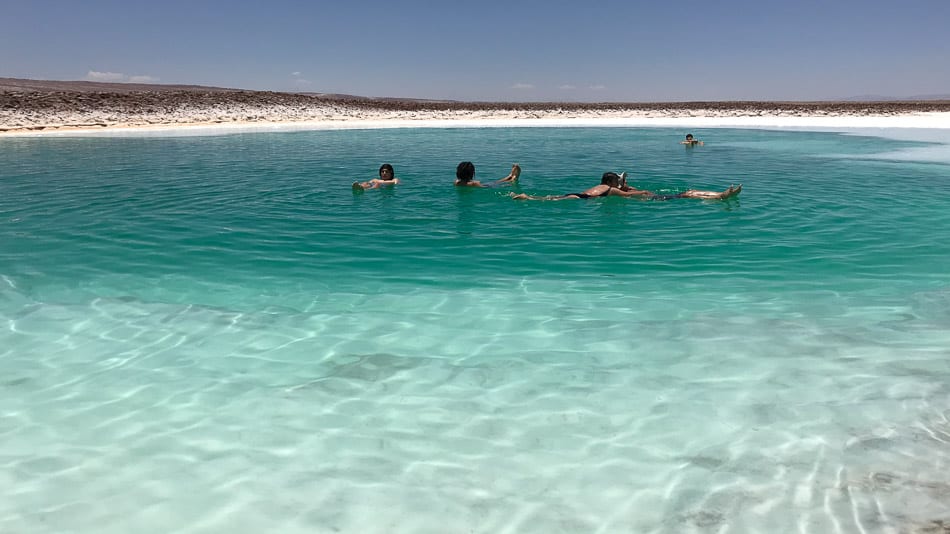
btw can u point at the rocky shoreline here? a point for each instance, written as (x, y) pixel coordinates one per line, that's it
(30, 105)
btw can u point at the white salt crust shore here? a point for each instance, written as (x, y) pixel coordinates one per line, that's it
(508, 119)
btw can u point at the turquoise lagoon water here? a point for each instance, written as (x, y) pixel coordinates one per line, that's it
(215, 334)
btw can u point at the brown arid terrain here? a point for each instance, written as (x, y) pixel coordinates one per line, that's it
(32, 105)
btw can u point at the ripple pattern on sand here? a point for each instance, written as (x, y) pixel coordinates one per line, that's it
(216, 334)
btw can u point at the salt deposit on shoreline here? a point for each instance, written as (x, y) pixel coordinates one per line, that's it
(195, 124)
(29, 112)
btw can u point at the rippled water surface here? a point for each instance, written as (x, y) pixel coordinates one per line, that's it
(215, 334)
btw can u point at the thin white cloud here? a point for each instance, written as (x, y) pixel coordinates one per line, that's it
(522, 86)
(143, 79)
(295, 73)
(567, 87)
(597, 87)
(96, 76)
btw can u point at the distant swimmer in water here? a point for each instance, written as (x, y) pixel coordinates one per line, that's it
(387, 177)
(465, 175)
(689, 141)
(613, 184)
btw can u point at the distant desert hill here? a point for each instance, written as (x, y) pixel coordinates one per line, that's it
(882, 98)
(22, 85)
(29, 102)
(340, 96)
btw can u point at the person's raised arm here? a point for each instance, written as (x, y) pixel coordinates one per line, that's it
(512, 176)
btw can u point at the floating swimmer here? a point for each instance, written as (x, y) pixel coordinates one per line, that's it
(387, 177)
(613, 184)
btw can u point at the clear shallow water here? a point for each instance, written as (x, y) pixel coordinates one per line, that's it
(215, 334)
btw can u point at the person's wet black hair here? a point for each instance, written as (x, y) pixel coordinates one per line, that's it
(689, 136)
(465, 171)
(610, 178)
(386, 166)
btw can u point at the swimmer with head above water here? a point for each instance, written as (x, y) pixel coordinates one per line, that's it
(465, 175)
(387, 177)
(689, 141)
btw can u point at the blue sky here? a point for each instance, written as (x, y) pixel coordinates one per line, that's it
(493, 50)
